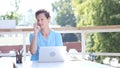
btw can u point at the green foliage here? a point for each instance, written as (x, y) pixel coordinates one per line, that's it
(99, 13)
(64, 10)
(8, 16)
(11, 16)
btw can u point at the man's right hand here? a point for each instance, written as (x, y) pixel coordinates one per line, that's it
(36, 28)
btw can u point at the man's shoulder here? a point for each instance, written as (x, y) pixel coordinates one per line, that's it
(31, 33)
(54, 32)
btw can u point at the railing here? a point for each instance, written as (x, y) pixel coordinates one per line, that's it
(112, 28)
(82, 30)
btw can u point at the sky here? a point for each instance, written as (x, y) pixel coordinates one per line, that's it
(25, 5)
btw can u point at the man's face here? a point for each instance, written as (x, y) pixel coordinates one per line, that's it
(42, 21)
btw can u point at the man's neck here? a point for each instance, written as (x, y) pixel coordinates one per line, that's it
(45, 32)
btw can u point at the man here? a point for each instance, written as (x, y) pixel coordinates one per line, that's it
(43, 35)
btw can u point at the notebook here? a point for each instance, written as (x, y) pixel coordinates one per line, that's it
(52, 54)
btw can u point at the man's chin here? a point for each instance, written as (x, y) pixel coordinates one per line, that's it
(41, 28)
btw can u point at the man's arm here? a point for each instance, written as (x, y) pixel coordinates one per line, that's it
(33, 45)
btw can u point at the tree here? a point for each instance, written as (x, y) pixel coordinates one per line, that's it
(64, 10)
(101, 12)
(96, 13)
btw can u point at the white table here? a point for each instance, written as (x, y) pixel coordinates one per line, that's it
(7, 62)
(67, 64)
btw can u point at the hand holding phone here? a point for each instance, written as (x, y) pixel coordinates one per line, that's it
(36, 28)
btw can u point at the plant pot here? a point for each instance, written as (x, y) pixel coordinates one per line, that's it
(7, 24)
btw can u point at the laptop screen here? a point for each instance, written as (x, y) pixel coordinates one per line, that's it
(52, 54)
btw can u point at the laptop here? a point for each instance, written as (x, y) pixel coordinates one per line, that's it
(52, 54)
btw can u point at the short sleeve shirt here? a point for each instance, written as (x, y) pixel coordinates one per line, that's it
(54, 39)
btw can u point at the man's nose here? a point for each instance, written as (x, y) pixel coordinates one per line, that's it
(40, 22)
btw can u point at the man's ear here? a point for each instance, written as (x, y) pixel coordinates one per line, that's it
(49, 19)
